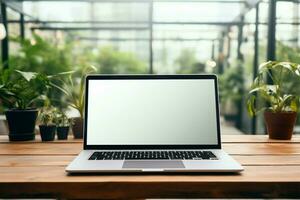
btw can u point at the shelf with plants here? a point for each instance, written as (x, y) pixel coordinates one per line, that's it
(22, 94)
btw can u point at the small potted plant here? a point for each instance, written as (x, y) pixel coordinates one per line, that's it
(63, 125)
(74, 91)
(47, 125)
(280, 110)
(19, 93)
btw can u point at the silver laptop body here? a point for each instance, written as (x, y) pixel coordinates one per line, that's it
(152, 123)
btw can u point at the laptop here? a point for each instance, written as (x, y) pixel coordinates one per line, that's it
(152, 123)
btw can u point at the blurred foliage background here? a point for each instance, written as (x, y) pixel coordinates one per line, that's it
(184, 48)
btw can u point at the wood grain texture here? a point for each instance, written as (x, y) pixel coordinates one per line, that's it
(36, 170)
(269, 160)
(225, 139)
(51, 148)
(4, 139)
(64, 160)
(278, 174)
(260, 182)
(256, 139)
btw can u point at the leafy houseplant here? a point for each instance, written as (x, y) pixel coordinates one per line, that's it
(282, 105)
(47, 126)
(63, 125)
(20, 92)
(75, 97)
(44, 56)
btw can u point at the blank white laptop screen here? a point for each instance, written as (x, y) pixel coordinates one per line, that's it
(152, 112)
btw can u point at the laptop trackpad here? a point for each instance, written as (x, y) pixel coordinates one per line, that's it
(161, 164)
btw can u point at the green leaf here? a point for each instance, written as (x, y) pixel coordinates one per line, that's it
(286, 65)
(251, 105)
(294, 105)
(267, 89)
(59, 88)
(89, 69)
(266, 66)
(27, 75)
(61, 74)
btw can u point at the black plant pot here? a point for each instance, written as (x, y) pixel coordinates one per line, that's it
(62, 132)
(77, 127)
(21, 124)
(47, 132)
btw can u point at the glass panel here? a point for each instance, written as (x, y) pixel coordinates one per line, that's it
(184, 37)
(196, 11)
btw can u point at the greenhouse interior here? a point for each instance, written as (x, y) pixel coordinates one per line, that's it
(230, 38)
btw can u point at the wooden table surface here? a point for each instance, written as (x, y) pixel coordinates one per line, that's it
(36, 169)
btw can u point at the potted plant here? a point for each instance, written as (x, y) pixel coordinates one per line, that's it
(63, 125)
(280, 110)
(75, 97)
(19, 93)
(47, 125)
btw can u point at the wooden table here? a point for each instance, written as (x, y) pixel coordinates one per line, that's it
(35, 169)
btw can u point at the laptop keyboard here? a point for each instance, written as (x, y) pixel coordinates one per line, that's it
(153, 155)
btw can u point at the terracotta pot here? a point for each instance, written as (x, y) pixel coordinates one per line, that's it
(77, 127)
(280, 125)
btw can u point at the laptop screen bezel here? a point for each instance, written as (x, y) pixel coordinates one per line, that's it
(156, 146)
